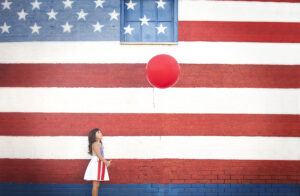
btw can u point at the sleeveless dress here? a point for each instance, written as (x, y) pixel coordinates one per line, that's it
(96, 169)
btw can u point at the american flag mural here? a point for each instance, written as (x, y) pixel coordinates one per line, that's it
(229, 126)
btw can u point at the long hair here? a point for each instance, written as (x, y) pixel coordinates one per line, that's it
(92, 139)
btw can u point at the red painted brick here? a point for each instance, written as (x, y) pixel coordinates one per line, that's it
(236, 177)
(273, 181)
(264, 177)
(251, 177)
(177, 181)
(233, 181)
(279, 177)
(217, 181)
(191, 181)
(151, 171)
(253, 181)
(218, 172)
(293, 177)
(223, 177)
(204, 181)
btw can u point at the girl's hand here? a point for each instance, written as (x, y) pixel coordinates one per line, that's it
(107, 163)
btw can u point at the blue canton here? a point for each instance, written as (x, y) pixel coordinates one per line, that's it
(59, 20)
(88, 20)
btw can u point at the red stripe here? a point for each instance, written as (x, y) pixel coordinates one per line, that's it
(99, 170)
(133, 75)
(103, 171)
(239, 31)
(72, 124)
(153, 171)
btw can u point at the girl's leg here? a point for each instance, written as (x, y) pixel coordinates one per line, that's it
(95, 188)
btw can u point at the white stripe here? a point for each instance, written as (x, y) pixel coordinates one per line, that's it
(184, 52)
(154, 147)
(149, 100)
(238, 11)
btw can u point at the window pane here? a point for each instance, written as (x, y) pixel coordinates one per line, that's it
(149, 9)
(149, 20)
(167, 36)
(132, 14)
(148, 32)
(166, 13)
(135, 35)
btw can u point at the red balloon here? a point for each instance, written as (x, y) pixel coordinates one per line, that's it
(162, 71)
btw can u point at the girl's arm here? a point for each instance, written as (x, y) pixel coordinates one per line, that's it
(96, 149)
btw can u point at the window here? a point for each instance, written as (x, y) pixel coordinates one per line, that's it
(149, 21)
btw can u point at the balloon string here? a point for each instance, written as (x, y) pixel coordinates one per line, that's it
(153, 99)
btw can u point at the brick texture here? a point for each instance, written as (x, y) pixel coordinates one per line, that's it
(165, 171)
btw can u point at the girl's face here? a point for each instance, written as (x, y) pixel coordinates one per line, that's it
(99, 135)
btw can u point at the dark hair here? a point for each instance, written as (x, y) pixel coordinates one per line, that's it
(92, 139)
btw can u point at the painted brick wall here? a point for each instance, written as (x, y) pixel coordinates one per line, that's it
(151, 189)
(165, 171)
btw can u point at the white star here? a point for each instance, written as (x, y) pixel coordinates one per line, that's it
(97, 27)
(36, 4)
(68, 3)
(5, 28)
(99, 3)
(161, 4)
(35, 28)
(6, 4)
(22, 15)
(52, 14)
(144, 20)
(130, 5)
(67, 27)
(128, 29)
(114, 15)
(81, 15)
(161, 29)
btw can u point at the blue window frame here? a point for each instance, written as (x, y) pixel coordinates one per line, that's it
(149, 21)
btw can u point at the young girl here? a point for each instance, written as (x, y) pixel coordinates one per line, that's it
(97, 168)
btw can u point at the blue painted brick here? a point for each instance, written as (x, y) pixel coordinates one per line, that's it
(178, 189)
(192, 190)
(180, 185)
(264, 185)
(14, 189)
(159, 194)
(163, 190)
(238, 186)
(149, 189)
(223, 186)
(130, 185)
(281, 194)
(171, 194)
(224, 194)
(251, 194)
(214, 186)
(258, 189)
(282, 185)
(198, 194)
(198, 185)
(231, 190)
(211, 194)
(244, 190)
(285, 189)
(148, 194)
(266, 194)
(184, 194)
(211, 190)
(159, 185)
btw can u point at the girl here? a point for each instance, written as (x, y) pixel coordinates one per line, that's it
(97, 168)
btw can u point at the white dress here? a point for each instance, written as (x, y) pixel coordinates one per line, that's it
(96, 169)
